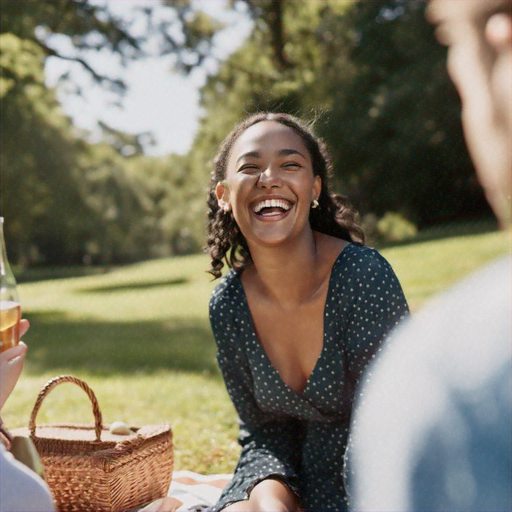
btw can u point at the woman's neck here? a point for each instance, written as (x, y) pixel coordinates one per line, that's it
(289, 274)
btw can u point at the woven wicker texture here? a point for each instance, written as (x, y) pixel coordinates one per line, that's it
(90, 470)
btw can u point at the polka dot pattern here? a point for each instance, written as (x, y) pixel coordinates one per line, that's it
(301, 438)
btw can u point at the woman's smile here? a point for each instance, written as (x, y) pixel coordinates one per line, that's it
(271, 208)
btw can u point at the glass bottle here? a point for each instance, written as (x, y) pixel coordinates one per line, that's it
(10, 309)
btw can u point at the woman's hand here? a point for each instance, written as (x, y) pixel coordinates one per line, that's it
(11, 361)
(272, 494)
(269, 494)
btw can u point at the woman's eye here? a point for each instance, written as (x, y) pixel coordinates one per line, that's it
(248, 168)
(291, 165)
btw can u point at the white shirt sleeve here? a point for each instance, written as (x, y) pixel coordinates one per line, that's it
(22, 490)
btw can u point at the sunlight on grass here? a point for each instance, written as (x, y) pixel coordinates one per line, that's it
(425, 268)
(139, 336)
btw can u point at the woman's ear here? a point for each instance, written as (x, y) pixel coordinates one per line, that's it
(222, 193)
(317, 187)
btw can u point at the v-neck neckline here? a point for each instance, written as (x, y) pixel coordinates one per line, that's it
(260, 348)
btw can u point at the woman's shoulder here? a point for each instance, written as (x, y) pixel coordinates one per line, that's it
(227, 304)
(361, 261)
(227, 292)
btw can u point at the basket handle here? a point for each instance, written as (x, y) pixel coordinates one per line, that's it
(98, 424)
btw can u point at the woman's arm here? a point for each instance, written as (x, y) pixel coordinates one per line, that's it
(379, 305)
(269, 455)
(269, 494)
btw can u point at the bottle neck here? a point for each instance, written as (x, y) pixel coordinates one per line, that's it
(3, 254)
(5, 268)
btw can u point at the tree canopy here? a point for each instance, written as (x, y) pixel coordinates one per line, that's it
(373, 79)
(369, 75)
(65, 199)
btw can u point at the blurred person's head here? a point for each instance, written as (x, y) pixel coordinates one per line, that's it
(478, 36)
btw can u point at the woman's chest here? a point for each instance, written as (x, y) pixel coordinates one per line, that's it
(297, 362)
(309, 383)
(291, 338)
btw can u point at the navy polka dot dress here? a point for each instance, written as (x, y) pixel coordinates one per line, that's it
(300, 439)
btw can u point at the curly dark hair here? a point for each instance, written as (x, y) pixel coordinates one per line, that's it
(334, 215)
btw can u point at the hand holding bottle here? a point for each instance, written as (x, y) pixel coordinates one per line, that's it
(10, 309)
(11, 364)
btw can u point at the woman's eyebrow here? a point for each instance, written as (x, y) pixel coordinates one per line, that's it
(249, 154)
(286, 152)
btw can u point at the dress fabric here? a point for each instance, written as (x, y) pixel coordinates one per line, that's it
(300, 438)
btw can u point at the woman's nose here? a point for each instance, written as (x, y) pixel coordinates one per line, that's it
(270, 178)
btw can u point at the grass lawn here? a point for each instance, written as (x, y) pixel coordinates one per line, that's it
(140, 336)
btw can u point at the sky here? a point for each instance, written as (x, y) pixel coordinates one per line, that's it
(158, 99)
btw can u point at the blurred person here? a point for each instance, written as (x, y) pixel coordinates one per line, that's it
(21, 489)
(433, 427)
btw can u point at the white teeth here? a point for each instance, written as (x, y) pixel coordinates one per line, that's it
(272, 203)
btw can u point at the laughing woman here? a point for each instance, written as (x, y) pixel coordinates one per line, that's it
(303, 309)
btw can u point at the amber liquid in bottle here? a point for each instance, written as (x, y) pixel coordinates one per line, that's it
(10, 310)
(10, 316)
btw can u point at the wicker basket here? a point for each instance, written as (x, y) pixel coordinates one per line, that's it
(89, 469)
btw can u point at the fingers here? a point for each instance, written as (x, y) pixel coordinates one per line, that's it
(11, 365)
(24, 326)
(9, 355)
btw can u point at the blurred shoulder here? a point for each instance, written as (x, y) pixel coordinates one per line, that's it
(456, 342)
(437, 364)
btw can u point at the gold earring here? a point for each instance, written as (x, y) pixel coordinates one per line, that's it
(315, 203)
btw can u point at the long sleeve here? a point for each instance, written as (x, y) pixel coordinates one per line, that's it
(377, 306)
(268, 441)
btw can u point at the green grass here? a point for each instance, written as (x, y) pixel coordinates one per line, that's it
(140, 336)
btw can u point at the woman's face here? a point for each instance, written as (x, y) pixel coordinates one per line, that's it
(270, 184)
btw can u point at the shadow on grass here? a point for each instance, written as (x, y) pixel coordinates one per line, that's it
(446, 231)
(36, 274)
(63, 345)
(135, 286)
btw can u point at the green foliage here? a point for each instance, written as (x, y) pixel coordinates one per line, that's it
(395, 125)
(66, 200)
(369, 74)
(374, 79)
(393, 227)
(38, 163)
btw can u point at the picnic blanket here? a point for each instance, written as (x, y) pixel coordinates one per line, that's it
(192, 492)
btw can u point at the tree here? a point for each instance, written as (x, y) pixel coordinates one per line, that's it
(373, 78)
(64, 198)
(395, 127)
